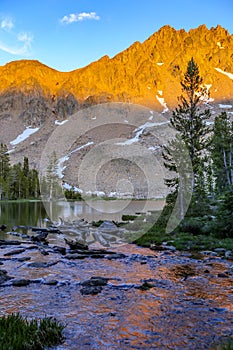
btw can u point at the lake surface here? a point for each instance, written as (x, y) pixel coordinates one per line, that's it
(34, 213)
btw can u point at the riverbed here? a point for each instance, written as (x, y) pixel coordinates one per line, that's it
(188, 303)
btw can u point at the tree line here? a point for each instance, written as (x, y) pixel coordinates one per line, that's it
(17, 181)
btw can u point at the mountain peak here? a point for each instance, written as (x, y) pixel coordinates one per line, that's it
(137, 73)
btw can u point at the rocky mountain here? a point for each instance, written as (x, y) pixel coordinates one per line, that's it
(34, 98)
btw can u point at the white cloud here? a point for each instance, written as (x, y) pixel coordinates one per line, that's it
(7, 24)
(79, 17)
(25, 38)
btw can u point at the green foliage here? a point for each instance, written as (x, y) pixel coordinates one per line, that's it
(17, 181)
(189, 119)
(222, 153)
(72, 195)
(18, 333)
(53, 188)
(225, 345)
(128, 217)
(223, 226)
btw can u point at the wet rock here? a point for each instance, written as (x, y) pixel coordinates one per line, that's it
(14, 252)
(75, 256)
(91, 290)
(209, 253)
(4, 277)
(230, 270)
(116, 256)
(220, 250)
(108, 227)
(46, 229)
(24, 258)
(229, 254)
(109, 238)
(97, 256)
(169, 247)
(99, 238)
(96, 281)
(145, 286)
(61, 250)
(40, 237)
(94, 285)
(76, 245)
(50, 282)
(6, 243)
(41, 264)
(18, 234)
(157, 247)
(223, 275)
(20, 282)
(43, 251)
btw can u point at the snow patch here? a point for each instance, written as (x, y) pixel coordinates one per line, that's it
(96, 193)
(25, 134)
(151, 115)
(225, 106)
(62, 160)
(67, 186)
(163, 103)
(139, 132)
(60, 123)
(153, 148)
(229, 75)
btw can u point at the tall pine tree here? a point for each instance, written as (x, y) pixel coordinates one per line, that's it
(189, 119)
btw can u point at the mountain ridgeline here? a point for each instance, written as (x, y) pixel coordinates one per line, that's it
(135, 75)
(149, 74)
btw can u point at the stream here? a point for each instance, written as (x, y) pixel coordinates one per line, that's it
(188, 305)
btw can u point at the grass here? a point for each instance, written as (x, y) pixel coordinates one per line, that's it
(184, 240)
(226, 345)
(18, 333)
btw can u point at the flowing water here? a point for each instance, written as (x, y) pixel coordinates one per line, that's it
(190, 304)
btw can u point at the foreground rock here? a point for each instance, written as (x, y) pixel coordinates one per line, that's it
(4, 277)
(94, 285)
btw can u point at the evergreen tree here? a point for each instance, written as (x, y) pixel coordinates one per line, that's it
(52, 179)
(4, 170)
(189, 119)
(222, 153)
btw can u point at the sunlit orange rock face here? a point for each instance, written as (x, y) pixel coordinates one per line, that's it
(138, 74)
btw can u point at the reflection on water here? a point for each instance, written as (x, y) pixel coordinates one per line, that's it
(174, 314)
(33, 213)
(97, 209)
(30, 213)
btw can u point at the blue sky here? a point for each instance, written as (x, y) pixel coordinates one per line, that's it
(69, 34)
